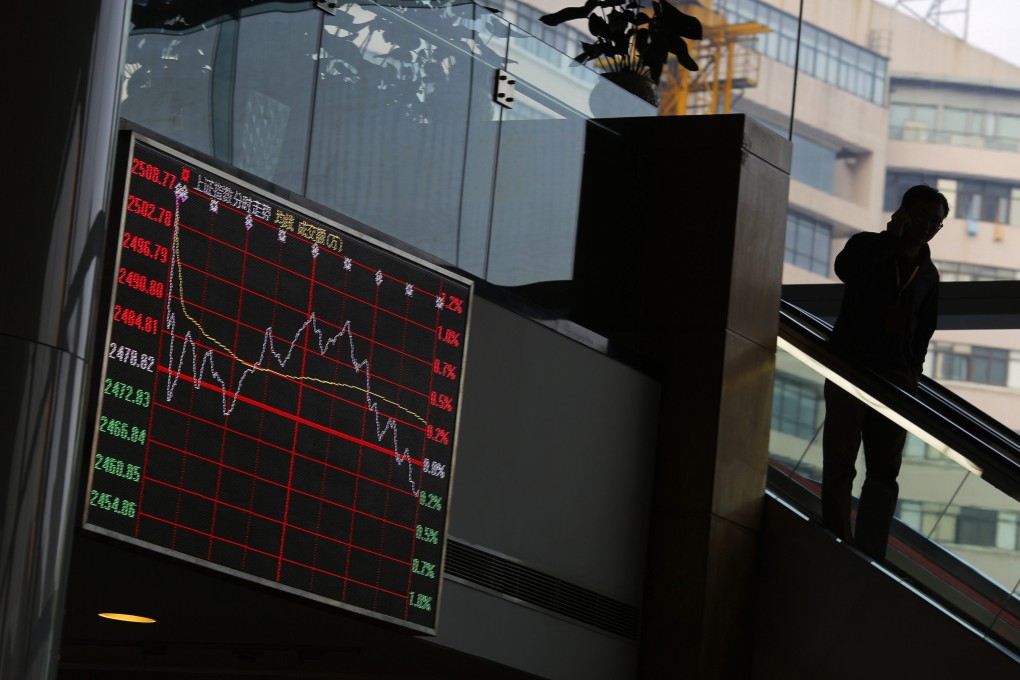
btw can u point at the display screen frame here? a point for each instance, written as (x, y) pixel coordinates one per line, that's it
(422, 611)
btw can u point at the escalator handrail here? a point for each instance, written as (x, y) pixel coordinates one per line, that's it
(986, 443)
(931, 390)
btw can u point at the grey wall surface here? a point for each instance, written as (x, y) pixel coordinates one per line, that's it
(553, 470)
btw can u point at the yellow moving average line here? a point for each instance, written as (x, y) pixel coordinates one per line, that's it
(255, 367)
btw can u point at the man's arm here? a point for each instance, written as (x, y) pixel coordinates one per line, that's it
(866, 253)
(927, 320)
(863, 256)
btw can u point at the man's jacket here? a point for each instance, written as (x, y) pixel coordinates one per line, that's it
(889, 308)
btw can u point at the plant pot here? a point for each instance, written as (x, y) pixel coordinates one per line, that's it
(604, 95)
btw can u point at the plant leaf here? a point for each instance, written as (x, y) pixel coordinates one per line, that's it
(654, 72)
(619, 20)
(590, 51)
(683, 55)
(676, 22)
(571, 13)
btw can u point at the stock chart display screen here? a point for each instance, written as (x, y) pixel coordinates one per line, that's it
(279, 395)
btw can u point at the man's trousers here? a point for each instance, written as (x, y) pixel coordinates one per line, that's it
(848, 422)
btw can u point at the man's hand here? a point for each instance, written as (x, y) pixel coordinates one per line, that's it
(898, 222)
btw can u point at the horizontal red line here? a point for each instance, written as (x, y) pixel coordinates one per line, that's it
(283, 414)
(282, 449)
(306, 384)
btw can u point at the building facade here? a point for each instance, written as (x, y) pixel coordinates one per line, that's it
(884, 101)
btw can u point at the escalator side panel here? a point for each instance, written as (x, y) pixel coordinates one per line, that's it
(824, 610)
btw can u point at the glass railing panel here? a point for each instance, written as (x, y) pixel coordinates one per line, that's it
(957, 536)
(230, 82)
(981, 366)
(979, 525)
(541, 155)
(385, 113)
(268, 127)
(168, 74)
(798, 410)
(399, 97)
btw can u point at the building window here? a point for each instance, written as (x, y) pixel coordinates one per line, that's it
(1007, 530)
(823, 55)
(987, 201)
(969, 199)
(976, 526)
(970, 363)
(808, 243)
(963, 525)
(910, 513)
(917, 449)
(813, 164)
(911, 122)
(796, 406)
(965, 271)
(955, 126)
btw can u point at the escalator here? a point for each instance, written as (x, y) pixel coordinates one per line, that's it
(956, 539)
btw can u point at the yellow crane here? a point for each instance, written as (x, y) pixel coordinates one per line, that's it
(726, 63)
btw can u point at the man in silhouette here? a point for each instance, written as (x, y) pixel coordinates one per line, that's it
(888, 315)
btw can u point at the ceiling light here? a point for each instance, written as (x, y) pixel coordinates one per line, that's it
(130, 618)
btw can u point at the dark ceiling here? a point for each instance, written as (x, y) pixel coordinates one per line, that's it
(211, 625)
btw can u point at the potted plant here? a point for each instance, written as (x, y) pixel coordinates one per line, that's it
(632, 42)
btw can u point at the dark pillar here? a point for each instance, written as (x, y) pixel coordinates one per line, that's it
(680, 252)
(58, 125)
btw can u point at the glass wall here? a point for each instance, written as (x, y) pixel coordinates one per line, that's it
(384, 113)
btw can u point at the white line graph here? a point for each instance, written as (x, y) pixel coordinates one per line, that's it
(203, 363)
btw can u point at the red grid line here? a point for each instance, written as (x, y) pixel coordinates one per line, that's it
(295, 527)
(261, 331)
(294, 440)
(297, 236)
(318, 283)
(278, 303)
(345, 579)
(233, 369)
(283, 414)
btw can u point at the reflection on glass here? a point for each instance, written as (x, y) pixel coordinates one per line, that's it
(385, 113)
(168, 79)
(980, 366)
(541, 151)
(395, 104)
(951, 121)
(272, 95)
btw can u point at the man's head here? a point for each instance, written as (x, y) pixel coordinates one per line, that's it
(921, 213)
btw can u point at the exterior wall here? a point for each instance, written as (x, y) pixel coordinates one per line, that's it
(956, 160)
(914, 47)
